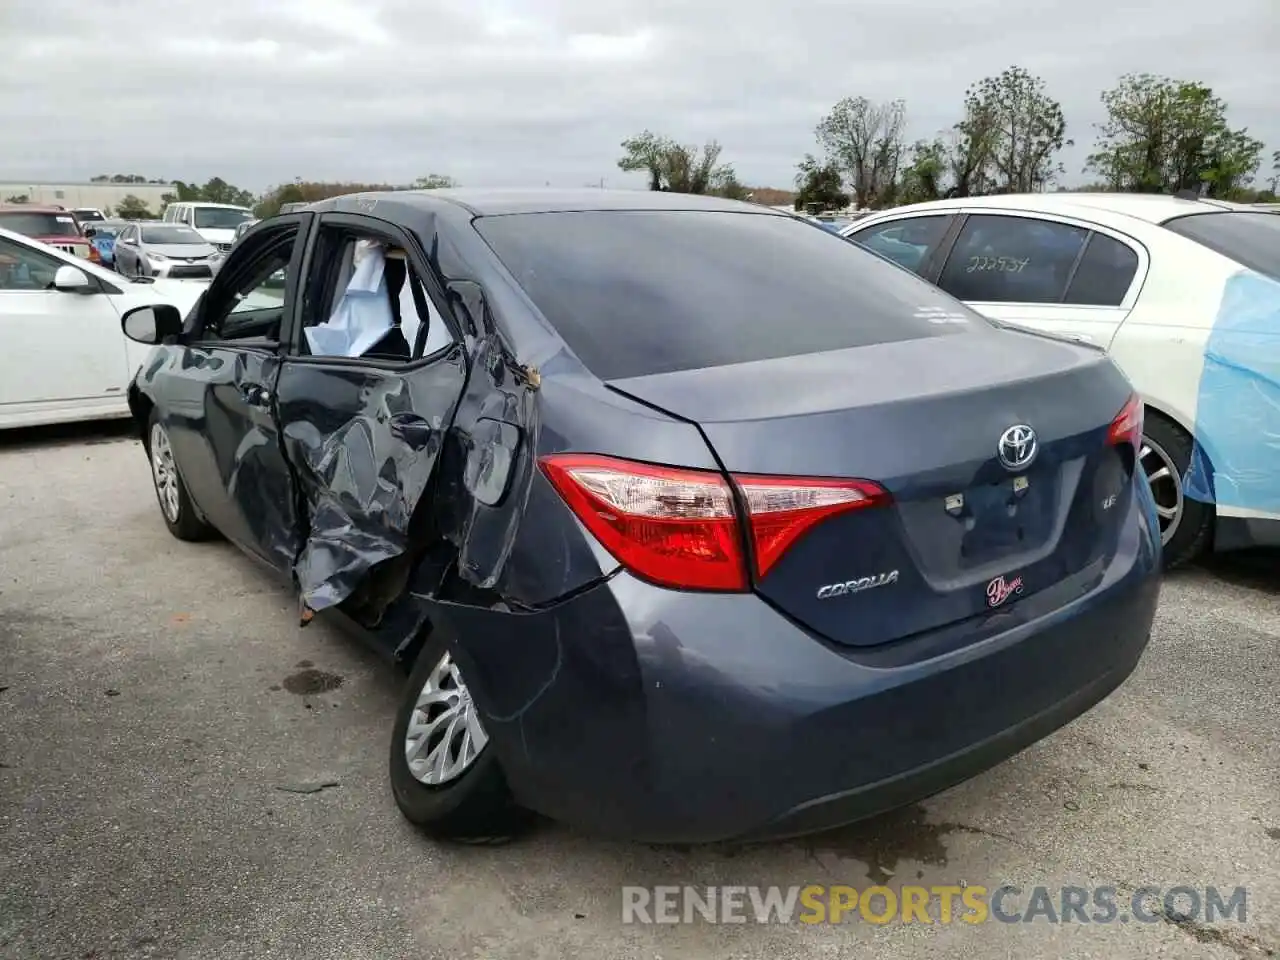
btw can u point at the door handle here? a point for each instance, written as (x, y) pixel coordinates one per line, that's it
(255, 395)
(414, 430)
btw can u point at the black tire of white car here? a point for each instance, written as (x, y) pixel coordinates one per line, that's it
(1195, 529)
(477, 807)
(188, 526)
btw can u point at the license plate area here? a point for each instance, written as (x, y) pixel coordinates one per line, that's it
(1002, 519)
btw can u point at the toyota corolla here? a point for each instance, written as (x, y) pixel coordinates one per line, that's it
(688, 520)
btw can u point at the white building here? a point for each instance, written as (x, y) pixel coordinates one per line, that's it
(71, 195)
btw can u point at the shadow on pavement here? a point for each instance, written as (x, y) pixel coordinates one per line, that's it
(1258, 569)
(67, 434)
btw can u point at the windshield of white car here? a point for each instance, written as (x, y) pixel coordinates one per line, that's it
(220, 218)
(171, 234)
(1250, 239)
(35, 224)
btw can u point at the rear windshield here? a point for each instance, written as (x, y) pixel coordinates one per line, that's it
(1250, 239)
(170, 234)
(39, 224)
(635, 293)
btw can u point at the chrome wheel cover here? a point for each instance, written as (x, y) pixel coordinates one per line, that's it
(164, 472)
(1166, 487)
(445, 735)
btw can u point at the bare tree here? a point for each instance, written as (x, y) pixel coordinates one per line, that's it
(864, 139)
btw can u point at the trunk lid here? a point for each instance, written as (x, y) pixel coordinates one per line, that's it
(965, 533)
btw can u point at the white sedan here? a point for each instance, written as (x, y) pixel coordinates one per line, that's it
(1185, 296)
(63, 355)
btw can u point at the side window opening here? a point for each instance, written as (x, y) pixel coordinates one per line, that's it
(254, 306)
(24, 269)
(365, 299)
(1105, 273)
(1010, 259)
(906, 242)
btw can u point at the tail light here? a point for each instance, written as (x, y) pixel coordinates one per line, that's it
(94, 255)
(1127, 425)
(680, 528)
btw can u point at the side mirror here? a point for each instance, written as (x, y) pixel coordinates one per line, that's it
(70, 280)
(151, 324)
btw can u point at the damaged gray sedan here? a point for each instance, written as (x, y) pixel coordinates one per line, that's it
(687, 519)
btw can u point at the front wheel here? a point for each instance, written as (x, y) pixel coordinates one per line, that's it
(444, 773)
(171, 493)
(1186, 525)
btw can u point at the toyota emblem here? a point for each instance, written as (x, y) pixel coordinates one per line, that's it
(1018, 447)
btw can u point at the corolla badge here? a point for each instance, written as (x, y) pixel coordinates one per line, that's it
(999, 590)
(857, 586)
(1018, 447)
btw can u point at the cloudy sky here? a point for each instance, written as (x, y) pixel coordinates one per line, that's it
(526, 92)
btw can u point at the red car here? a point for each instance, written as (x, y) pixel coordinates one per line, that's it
(50, 225)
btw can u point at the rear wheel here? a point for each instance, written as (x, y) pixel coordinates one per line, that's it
(175, 503)
(444, 773)
(1185, 525)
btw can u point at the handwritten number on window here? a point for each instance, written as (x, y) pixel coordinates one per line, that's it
(1001, 264)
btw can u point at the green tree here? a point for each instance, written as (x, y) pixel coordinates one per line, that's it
(216, 190)
(1164, 135)
(819, 184)
(864, 140)
(1274, 179)
(680, 168)
(133, 208)
(924, 176)
(18, 198)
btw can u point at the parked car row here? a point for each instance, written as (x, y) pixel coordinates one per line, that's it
(641, 488)
(63, 355)
(1185, 296)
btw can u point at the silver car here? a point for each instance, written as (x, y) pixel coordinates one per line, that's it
(163, 250)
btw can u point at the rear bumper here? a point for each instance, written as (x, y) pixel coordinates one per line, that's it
(638, 712)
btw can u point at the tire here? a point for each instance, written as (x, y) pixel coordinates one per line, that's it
(1168, 447)
(473, 805)
(176, 508)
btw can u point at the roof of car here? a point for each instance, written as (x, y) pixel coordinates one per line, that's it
(29, 208)
(1153, 208)
(496, 202)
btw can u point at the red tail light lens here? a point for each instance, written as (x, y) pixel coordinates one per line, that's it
(679, 528)
(784, 508)
(1127, 426)
(674, 527)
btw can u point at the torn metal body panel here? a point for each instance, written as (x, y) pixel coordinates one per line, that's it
(363, 445)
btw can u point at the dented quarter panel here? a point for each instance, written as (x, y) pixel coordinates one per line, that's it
(517, 541)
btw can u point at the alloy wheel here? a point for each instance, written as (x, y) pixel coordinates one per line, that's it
(1165, 481)
(164, 472)
(445, 735)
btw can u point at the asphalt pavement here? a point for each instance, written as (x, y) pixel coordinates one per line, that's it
(185, 773)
